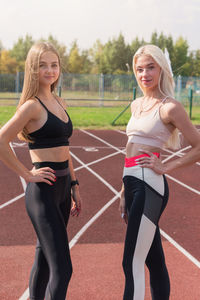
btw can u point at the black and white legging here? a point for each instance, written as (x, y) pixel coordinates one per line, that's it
(49, 207)
(146, 196)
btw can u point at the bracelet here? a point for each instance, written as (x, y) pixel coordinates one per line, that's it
(74, 182)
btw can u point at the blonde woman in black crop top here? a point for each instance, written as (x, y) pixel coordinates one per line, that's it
(154, 124)
(52, 190)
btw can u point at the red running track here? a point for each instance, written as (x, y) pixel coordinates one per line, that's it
(97, 252)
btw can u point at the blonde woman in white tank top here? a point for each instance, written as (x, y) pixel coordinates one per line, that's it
(155, 121)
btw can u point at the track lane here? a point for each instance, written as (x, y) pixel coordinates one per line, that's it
(106, 227)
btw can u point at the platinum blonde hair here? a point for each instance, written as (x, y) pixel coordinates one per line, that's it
(166, 83)
(31, 76)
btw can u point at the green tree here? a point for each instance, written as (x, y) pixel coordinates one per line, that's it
(194, 59)
(20, 50)
(115, 56)
(1, 46)
(180, 59)
(87, 64)
(8, 64)
(75, 62)
(97, 58)
(154, 38)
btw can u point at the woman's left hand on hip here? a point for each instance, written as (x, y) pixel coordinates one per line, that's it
(151, 161)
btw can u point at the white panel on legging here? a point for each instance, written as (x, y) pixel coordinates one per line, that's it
(144, 241)
(148, 175)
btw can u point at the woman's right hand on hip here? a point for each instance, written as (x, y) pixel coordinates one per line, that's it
(45, 174)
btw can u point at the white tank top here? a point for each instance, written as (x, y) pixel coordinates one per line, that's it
(149, 129)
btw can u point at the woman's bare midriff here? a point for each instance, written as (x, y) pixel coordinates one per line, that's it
(135, 149)
(56, 154)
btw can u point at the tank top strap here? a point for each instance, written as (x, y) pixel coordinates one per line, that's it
(157, 111)
(164, 99)
(41, 103)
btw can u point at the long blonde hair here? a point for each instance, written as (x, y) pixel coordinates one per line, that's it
(31, 77)
(166, 83)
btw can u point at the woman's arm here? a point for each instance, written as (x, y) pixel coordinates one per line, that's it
(8, 132)
(122, 205)
(175, 114)
(179, 118)
(76, 199)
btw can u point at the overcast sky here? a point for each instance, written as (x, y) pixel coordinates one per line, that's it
(89, 20)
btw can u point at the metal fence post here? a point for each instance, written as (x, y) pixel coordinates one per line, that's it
(17, 86)
(121, 113)
(60, 85)
(179, 87)
(190, 96)
(101, 89)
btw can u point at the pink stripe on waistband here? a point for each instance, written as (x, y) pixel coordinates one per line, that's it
(131, 161)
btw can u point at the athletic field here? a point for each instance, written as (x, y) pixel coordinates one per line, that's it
(97, 236)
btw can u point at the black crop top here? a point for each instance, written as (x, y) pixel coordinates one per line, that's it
(53, 133)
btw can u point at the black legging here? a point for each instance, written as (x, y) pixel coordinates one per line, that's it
(49, 208)
(145, 204)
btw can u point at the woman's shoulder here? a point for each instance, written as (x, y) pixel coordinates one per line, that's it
(136, 102)
(30, 106)
(171, 103)
(171, 108)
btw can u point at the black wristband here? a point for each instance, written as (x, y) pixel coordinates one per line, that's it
(74, 182)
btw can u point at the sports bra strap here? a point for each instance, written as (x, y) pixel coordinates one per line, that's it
(41, 103)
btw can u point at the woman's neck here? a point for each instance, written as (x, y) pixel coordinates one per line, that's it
(150, 94)
(45, 93)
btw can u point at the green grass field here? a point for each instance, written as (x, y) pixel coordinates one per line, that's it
(95, 117)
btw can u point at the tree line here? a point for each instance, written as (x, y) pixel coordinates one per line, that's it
(113, 57)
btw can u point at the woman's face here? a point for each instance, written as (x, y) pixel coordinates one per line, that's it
(147, 72)
(49, 68)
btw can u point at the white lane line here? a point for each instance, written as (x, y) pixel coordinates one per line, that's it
(181, 154)
(176, 180)
(76, 169)
(176, 153)
(183, 184)
(25, 295)
(103, 141)
(80, 233)
(120, 131)
(174, 243)
(97, 147)
(23, 182)
(77, 236)
(173, 154)
(11, 201)
(95, 174)
(167, 150)
(96, 161)
(92, 220)
(180, 248)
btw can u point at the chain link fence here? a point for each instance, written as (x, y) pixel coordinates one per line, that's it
(96, 90)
